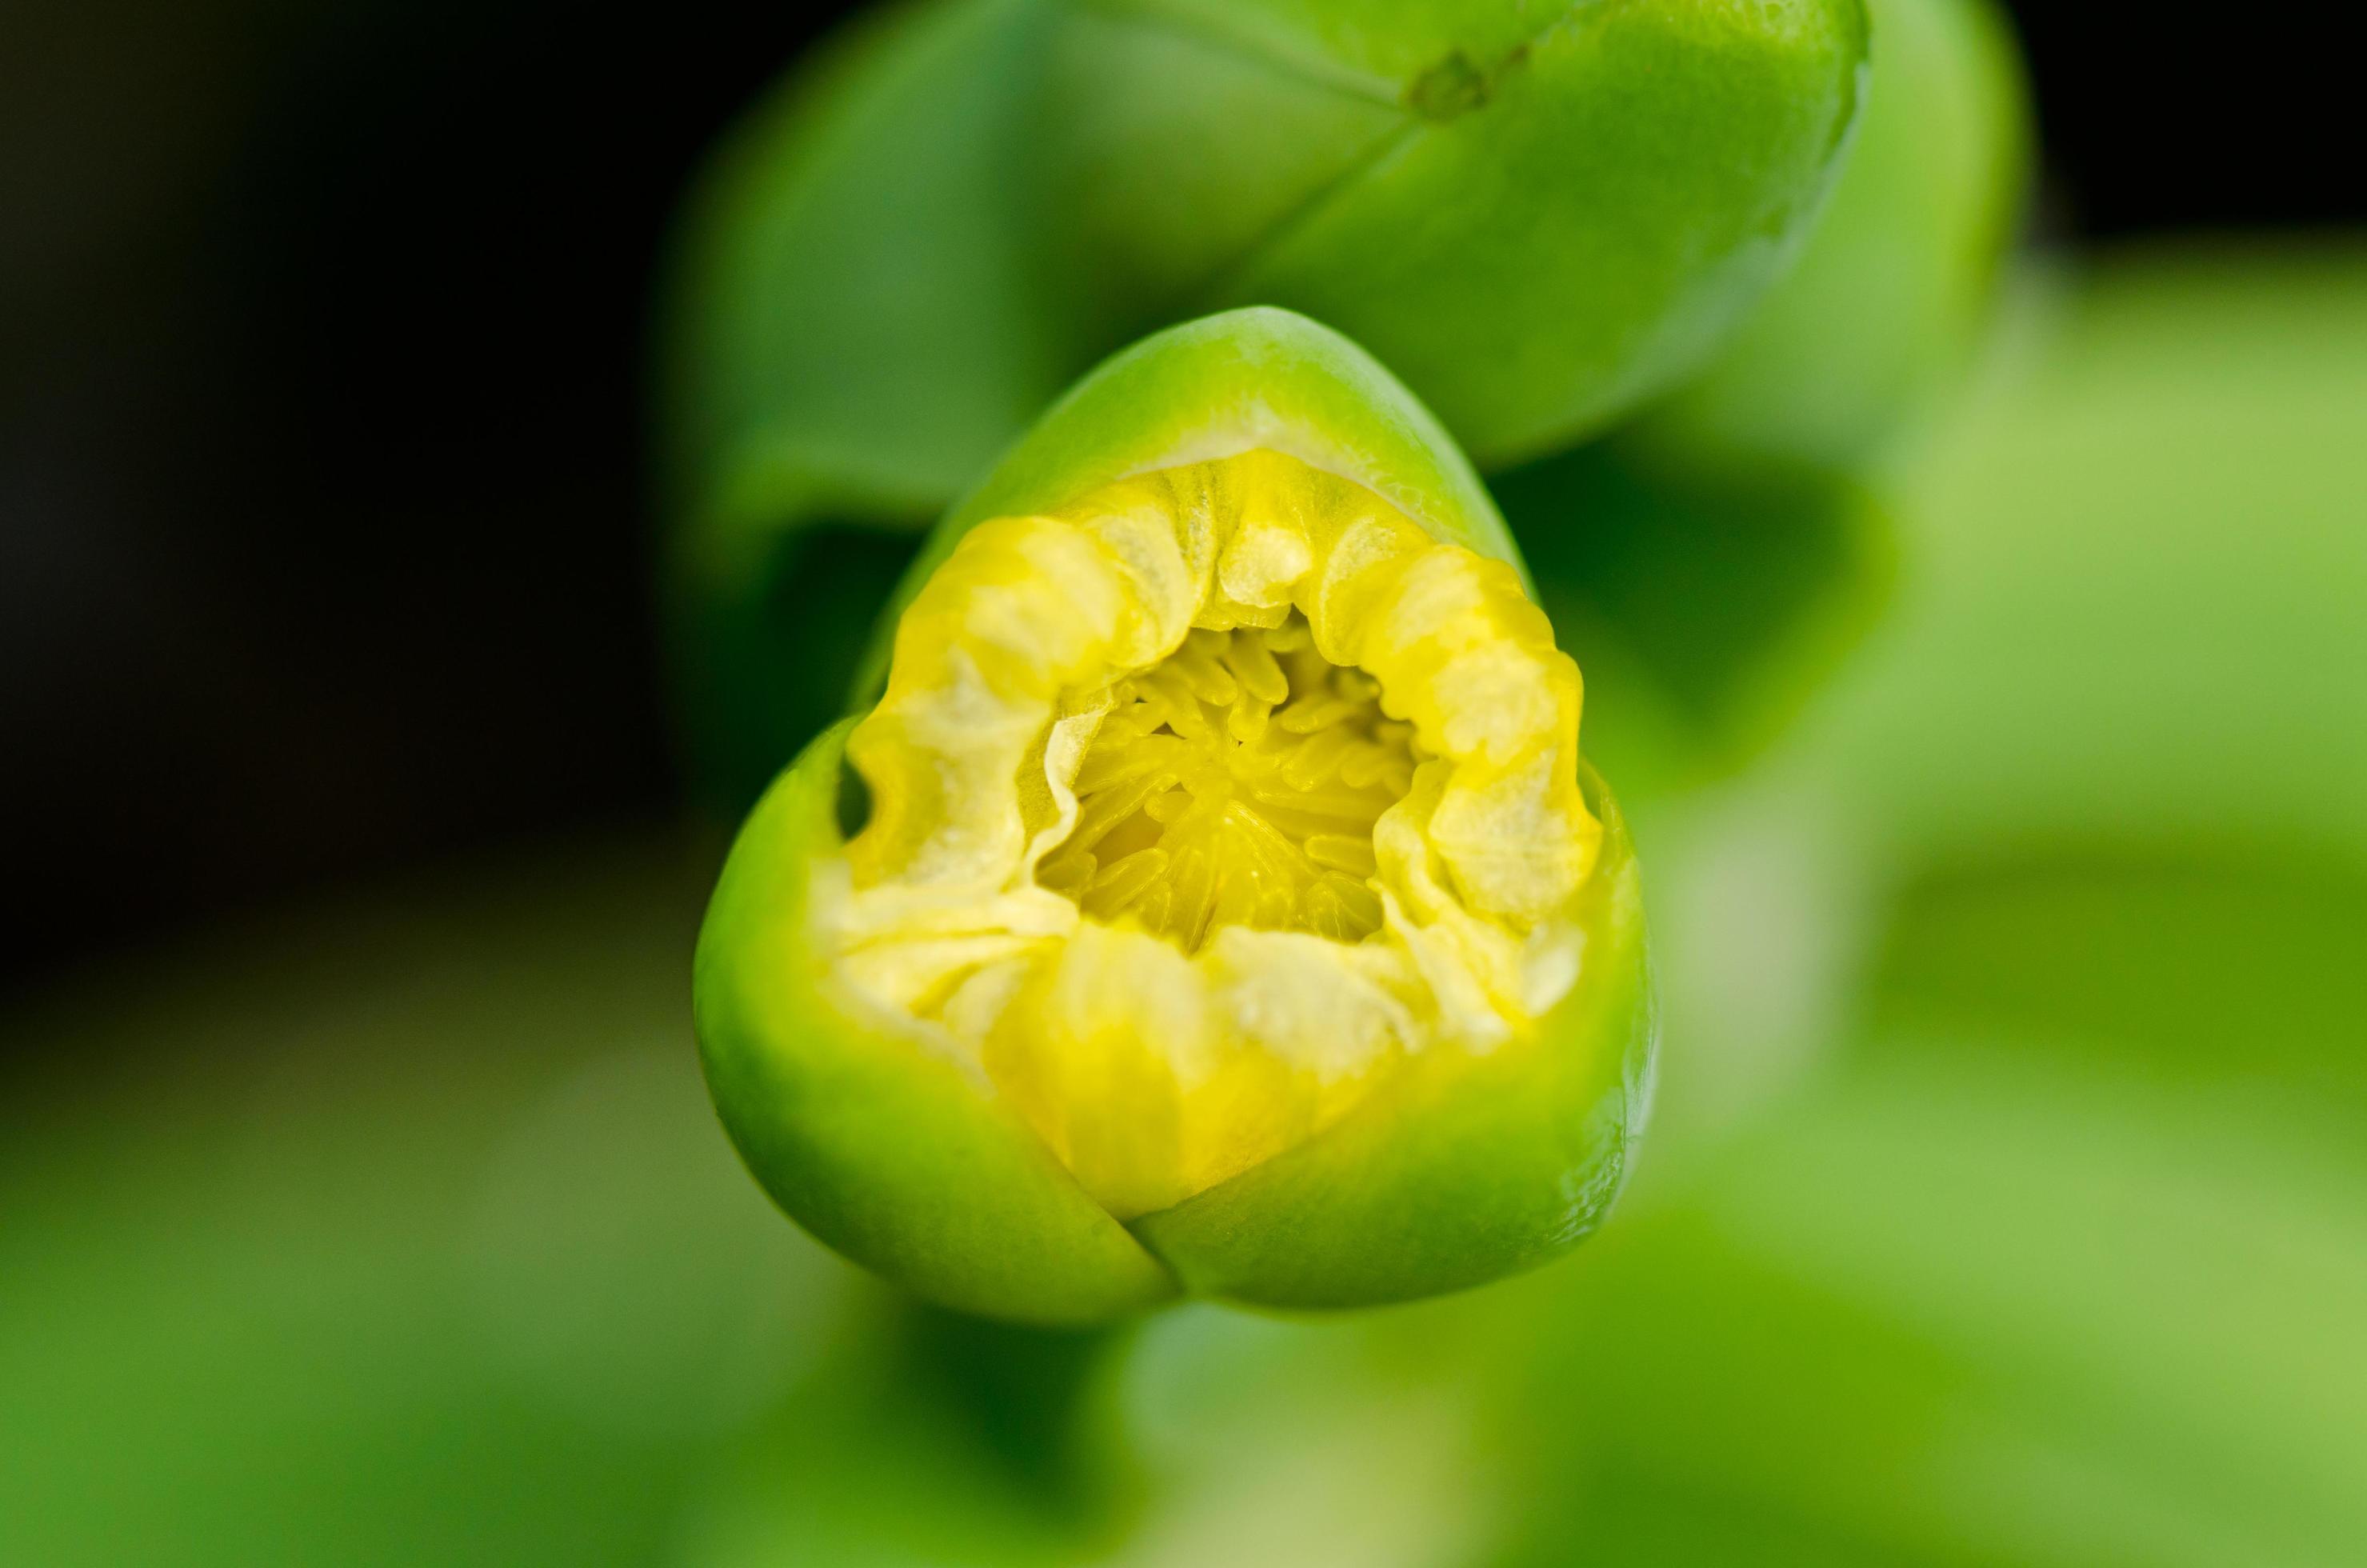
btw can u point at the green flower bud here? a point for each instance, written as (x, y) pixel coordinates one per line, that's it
(1711, 560)
(1538, 218)
(1564, 211)
(1230, 911)
(1887, 300)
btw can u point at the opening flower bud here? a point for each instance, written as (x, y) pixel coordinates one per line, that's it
(1203, 802)
(1225, 854)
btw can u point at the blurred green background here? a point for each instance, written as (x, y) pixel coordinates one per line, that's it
(2006, 1202)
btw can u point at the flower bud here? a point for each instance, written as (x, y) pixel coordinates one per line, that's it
(1228, 910)
(1539, 217)
(1714, 558)
(1884, 307)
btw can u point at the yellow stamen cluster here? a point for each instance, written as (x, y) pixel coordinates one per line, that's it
(1236, 784)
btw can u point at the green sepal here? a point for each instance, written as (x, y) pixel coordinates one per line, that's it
(1466, 1167)
(888, 1151)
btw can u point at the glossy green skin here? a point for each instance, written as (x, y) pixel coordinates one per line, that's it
(1535, 224)
(1465, 1169)
(1884, 307)
(1575, 201)
(1713, 561)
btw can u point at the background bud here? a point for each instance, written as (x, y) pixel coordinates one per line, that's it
(896, 264)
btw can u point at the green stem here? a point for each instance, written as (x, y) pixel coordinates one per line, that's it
(1044, 1404)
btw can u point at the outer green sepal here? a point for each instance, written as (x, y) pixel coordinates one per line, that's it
(896, 1156)
(1468, 1168)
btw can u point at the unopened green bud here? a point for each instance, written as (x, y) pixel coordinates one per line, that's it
(1539, 217)
(1889, 298)
(1714, 558)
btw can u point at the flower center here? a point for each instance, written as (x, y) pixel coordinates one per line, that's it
(1236, 784)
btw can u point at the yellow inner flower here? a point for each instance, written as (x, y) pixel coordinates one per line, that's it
(1202, 802)
(1236, 784)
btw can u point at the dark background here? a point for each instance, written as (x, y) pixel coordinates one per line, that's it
(322, 538)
